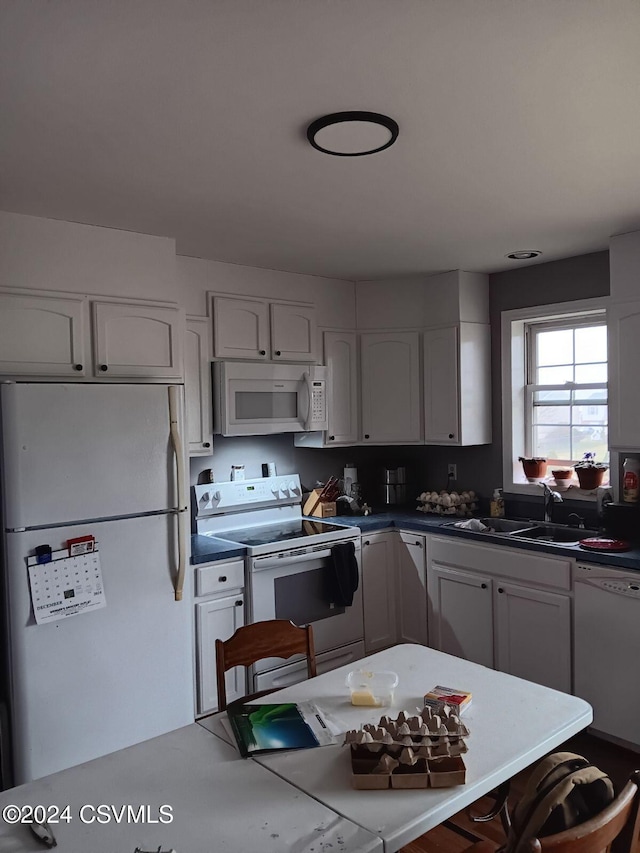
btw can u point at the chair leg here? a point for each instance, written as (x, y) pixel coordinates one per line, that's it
(500, 808)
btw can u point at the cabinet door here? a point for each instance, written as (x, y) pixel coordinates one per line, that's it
(340, 356)
(411, 588)
(42, 335)
(378, 591)
(132, 340)
(461, 614)
(534, 635)
(441, 387)
(390, 368)
(624, 402)
(240, 328)
(197, 386)
(293, 332)
(217, 619)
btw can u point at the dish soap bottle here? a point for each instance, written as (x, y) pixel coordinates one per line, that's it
(497, 504)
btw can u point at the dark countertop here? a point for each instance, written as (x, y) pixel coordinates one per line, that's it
(205, 549)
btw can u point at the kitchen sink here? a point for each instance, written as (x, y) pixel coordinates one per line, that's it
(507, 525)
(554, 533)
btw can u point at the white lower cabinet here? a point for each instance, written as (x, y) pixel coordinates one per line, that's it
(378, 591)
(461, 614)
(217, 618)
(493, 606)
(411, 587)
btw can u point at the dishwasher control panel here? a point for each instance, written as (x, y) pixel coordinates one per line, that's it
(612, 580)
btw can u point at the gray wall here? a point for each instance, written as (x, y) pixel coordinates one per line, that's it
(479, 468)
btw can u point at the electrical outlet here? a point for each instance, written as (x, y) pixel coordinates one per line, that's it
(452, 470)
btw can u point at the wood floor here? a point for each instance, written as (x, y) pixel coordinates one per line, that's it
(614, 760)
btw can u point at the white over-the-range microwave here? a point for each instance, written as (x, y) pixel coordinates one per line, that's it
(254, 398)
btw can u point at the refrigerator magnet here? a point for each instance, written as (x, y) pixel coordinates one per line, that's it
(81, 545)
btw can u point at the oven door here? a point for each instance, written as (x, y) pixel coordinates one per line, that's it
(293, 585)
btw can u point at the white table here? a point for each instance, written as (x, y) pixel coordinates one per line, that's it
(513, 723)
(219, 802)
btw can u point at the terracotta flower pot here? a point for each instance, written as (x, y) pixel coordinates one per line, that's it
(534, 468)
(590, 478)
(562, 473)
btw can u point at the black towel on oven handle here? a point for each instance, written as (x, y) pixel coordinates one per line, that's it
(344, 574)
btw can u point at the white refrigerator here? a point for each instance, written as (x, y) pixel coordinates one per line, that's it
(106, 461)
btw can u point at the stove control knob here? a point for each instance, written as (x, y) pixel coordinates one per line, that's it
(215, 497)
(293, 488)
(284, 488)
(206, 497)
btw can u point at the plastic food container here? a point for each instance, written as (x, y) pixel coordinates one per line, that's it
(372, 688)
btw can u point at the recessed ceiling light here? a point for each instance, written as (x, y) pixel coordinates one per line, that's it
(352, 134)
(523, 255)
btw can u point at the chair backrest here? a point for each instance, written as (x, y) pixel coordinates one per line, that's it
(277, 638)
(614, 829)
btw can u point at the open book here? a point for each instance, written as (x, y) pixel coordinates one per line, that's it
(264, 728)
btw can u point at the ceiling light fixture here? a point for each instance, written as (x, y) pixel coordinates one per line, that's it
(352, 134)
(523, 255)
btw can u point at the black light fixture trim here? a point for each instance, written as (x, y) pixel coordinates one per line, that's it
(523, 254)
(354, 115)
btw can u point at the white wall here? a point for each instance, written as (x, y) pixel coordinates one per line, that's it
(624, 262)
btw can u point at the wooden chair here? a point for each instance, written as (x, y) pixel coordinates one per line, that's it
(616, 828)
(274, 638)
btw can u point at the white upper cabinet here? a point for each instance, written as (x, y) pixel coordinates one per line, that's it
(134, 340)
(623, 321)
(197, 392)
(391, 388)
(256, 329)
(293, 332)
(340, 356)
(43, 335)
(457, 384)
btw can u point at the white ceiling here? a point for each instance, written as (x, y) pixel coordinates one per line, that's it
(519, 126)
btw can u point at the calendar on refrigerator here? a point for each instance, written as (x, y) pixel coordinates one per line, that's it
(65, 586)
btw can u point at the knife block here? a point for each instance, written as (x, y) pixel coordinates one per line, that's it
(316, 508)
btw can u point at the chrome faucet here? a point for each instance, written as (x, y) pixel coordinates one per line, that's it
(550, 498)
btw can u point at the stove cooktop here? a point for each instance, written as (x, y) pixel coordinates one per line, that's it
(270, 534)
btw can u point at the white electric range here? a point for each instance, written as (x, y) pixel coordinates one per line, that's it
(285, 568)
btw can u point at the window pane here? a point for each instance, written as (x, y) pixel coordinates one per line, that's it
(555, 375)
(551, 396)
(594, 415)
(552, 442)
(590, 440)
(591, 344)
(552, 415)
(590, 394)
(591, 373)
(555, 347)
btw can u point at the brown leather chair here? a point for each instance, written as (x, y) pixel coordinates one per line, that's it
(616, 828)
(274, 638)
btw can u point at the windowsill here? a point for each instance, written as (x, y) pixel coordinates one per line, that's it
(573, 493)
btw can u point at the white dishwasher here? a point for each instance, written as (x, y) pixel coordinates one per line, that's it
(607, 648)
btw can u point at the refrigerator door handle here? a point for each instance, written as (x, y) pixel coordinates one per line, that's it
(178, 449)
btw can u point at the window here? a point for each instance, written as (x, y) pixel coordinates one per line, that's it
(566, 390)
(554, 383)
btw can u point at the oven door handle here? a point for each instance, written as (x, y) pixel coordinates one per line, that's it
(280, 562)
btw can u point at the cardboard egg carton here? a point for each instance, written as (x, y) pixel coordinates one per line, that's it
(415, 751)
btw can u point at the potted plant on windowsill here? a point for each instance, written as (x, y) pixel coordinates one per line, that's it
(534, 467)
(590, 473)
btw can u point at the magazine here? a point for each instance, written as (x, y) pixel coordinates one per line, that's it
(264, 727)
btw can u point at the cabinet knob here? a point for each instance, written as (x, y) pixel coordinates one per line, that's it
(277, 352)
(450, 435)
(500, 590)
(222, 579)
(366, 543)
(332, 438)
(483, 586)
(263, 352)
(104, 368)
(419, 544)
(207, 444)
(366, 435)
(239, 603)
(77, 367)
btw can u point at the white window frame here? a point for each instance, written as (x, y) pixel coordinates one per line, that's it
(514, 385)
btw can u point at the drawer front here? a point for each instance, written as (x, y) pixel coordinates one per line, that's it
(526, 566)
(219, 577)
